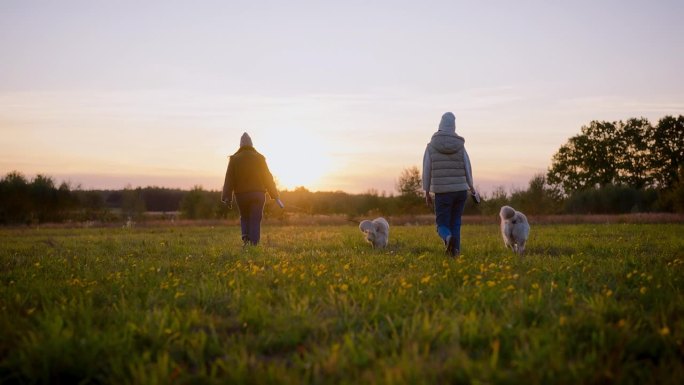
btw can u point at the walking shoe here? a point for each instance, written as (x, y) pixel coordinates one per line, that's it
(449, 243)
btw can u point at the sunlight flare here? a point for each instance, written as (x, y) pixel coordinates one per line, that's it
(304, 160)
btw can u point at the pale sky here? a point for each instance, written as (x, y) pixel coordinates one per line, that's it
(338, 95)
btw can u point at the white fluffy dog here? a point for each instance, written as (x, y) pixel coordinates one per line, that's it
(514, 228)
(377, 232)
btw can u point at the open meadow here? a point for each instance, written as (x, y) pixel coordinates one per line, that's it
(588, 304)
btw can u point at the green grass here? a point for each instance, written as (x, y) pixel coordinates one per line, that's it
(588, 304)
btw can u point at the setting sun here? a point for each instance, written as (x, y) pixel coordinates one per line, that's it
(300, 161)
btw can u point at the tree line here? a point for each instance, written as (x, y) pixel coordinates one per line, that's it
(24, 201)
(40, 200)
(609, 168)
(621, 167)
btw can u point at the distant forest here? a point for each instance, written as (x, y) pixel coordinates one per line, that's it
(609, 168)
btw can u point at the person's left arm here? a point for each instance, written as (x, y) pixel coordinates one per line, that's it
(427, 176)
(267, 179)
(469, 172)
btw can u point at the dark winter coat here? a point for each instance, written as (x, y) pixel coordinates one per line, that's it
(247, 172)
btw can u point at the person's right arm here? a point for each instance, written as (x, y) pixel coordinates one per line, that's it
(427, 176)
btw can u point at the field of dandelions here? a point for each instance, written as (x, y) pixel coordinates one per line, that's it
(588, 304)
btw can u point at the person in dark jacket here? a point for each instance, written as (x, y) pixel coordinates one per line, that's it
(249, 178)
(447, 173)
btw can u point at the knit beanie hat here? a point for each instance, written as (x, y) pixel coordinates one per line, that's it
(245, 140)
(448, 123)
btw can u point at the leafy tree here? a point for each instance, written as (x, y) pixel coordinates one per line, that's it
(44, 200)
(92, 204)
(133, 203)
(65, 198)
(491, 203)
(672, 199)
(410, 183)
(678, 192)
(631, 153)
(539, 198)
(15, 204)
(22, 201)
(198, 204)
(667, 139)
(586, 160)
(410, 188)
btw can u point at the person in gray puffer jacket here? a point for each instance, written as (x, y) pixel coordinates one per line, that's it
(447, 173)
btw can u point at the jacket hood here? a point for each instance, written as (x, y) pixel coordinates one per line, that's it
(245, 140)
(446, 142)
(448, 123)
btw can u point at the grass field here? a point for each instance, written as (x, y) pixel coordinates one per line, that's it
(589, 304)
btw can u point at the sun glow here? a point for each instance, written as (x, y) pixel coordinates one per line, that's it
(302, 160)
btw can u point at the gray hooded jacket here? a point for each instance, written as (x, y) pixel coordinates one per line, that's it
(446, 165)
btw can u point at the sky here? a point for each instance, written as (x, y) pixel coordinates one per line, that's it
(338, 95)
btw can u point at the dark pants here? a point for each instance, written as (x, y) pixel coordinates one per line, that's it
(448, 211)
(251, 206)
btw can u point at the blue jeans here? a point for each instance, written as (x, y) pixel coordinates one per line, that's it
(251, 207)
(448, 211)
